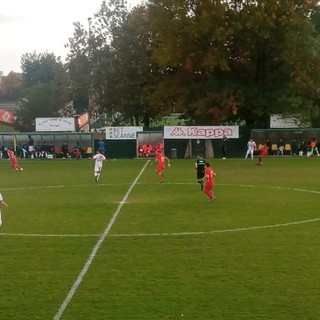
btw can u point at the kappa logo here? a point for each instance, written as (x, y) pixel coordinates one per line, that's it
(200, 132)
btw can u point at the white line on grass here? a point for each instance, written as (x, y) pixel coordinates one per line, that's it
(96, 248)
(166, 234)
(153, 183)
(48, 235)
(162, 234)
(278, 225)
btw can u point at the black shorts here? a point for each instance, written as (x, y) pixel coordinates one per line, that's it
(200, 174)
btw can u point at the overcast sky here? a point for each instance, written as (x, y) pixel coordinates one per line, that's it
(41, 26)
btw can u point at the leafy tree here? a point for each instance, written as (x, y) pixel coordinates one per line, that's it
(45, 89)
(10, 86)
(278, 52)
(111, 64)
(230, 59)
(138, 75)
(79, 68)
(189, 45)
(90, 61)
(215, 61)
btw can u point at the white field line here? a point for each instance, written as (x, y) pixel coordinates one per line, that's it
(167, 182)
(278, 225)
(162, 234)
(165, 233)
(96, 248)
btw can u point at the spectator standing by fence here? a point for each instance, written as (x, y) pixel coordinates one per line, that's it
(313, 147)
(280, 147)
(65, 150)
(102, 147)
(294, 147)
(77, 151)
(30, 147)
(302, 148)
(223, 147)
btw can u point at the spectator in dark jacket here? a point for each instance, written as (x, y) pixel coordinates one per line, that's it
(65, 150)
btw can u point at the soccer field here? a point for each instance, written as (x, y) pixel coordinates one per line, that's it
(129, 247)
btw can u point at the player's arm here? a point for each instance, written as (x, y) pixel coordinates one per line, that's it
(3, 203)
(169, 165)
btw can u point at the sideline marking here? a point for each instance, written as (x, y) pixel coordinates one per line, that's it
(96, 248)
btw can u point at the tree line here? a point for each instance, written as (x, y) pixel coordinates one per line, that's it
(212, 61)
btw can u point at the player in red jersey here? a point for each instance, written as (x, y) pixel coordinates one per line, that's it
(161, 159)
(263, 153)
(209, 176)
(14, 161)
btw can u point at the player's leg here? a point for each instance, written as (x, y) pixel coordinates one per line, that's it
(159, 173)
(99, 172)
(200, 176)
(15, 165)
(208, 192)
(96, 173)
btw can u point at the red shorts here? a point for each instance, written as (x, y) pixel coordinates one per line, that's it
(14, 163)
(160, 168)
(263, 154)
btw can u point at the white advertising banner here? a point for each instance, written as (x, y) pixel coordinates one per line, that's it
(55, 124)
(201, 132)
(279, 121)
(122, 133)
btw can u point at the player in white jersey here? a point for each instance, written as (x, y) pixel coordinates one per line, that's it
(251, 145)
(1, 203)
(99, 158)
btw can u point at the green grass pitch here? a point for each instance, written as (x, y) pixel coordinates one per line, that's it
(165, 251)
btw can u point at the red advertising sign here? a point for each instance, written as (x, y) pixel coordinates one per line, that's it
(7, 116)
(83, 119)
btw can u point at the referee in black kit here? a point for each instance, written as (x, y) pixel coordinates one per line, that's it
(200, 167)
